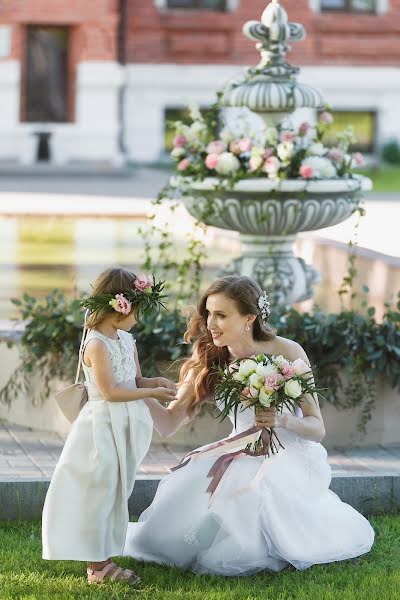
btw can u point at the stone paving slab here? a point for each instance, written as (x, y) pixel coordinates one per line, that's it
(32, 455)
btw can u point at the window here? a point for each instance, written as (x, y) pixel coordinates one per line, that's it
(46, 74)
(364, 125)
(363, 6)
(217, 5)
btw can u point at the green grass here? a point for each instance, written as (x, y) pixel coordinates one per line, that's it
(385, 179)
(25, 576)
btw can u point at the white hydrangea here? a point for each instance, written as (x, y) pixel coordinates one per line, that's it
(228, 164)
(316, 149)
(322, 167)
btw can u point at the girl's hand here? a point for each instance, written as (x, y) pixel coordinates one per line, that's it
(268, 417)
(167, 383)
(163, 394)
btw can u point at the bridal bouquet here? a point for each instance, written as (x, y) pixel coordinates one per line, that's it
(264, 381)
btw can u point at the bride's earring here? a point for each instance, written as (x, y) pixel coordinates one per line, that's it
(247, 327)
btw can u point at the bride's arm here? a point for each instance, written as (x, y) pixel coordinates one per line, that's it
(311, 425)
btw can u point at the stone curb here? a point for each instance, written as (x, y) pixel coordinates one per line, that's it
(368, 494)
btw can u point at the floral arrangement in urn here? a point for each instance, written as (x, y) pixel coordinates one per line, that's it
(277, 152)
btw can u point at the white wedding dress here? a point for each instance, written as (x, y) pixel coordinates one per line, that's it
(257, 519)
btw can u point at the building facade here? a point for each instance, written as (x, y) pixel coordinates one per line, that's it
(95, 80)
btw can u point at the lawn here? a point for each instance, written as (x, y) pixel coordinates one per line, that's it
(25, 576)
(385, 179)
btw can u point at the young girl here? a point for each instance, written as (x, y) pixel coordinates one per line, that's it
(85, 515)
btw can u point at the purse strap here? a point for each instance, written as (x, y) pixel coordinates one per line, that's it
(81, 346)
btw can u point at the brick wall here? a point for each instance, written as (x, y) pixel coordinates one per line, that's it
(183, 36)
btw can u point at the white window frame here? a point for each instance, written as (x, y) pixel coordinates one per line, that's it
(231, 5)
(382, 6)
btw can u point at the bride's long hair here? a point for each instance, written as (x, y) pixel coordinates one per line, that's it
(245, 293)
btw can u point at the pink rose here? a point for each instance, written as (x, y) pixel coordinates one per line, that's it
(255, 163)
(183, 164)
(287, 136)
(336, 154)
(245, 145)
(268, 152)
(234, 147)
(274, 381)
(300, 367)
(143, 282)
(326, 117)
(122, 305)
(179, 141)
(358, 159)
(306, 172)
(211, 161)
(271, 165)
(304, 128)
(216, 147)
(288, 371)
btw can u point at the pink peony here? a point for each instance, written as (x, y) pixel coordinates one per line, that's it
(121, 304)
(234, 147)
(300, 367)
(336, 154)
(306, 172)
(216, 147)
(358, 159)
(179, 141)
(143, 282)
(271, 165)
(304, 128)
(211, 161)
(183, 164)
(274, 381)
(326, 117)
(287, 136)
(287, 371)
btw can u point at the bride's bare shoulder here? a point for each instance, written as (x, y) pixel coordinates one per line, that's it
(288, 348)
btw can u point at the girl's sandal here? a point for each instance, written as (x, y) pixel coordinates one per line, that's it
(114, 573)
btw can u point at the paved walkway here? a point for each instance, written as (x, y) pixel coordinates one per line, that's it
(32, 455)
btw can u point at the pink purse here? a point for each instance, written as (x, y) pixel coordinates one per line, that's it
(72, 399)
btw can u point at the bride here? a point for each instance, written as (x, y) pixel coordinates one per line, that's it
(266, 513)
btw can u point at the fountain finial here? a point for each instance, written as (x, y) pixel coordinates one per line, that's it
(271, 87)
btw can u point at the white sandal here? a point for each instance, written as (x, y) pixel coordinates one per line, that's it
(114, 573)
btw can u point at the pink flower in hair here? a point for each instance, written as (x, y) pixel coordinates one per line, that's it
(143, 282)
(121, 304)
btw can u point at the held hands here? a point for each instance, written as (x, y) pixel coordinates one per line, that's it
(165, 390)
(268, 418)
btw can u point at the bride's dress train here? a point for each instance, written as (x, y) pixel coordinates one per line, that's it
(257, 519)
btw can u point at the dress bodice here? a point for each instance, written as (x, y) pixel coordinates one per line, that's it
(121, 353)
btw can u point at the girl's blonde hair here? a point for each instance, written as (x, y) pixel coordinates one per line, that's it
(112, 281)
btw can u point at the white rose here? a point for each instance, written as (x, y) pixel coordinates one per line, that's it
(264, 398)
(178, 153)
(228, 164)
(293, 388)
(316, 149)
(265, 370)
(281, 361)
(247, 367)
(256, 381)
(285, 150)
(322, 167)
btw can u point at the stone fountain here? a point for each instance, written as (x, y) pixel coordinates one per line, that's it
(268, 213)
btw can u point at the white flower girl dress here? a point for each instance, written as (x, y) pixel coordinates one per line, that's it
(85, 516)
(266, 513)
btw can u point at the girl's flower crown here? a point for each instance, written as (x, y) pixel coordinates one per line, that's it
(264, 306)
(145, 295)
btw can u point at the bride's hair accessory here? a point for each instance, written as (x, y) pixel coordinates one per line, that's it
(264, 306)
(145, 295)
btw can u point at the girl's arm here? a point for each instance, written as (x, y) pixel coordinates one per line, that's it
(98, 358)
(168, 420)
(311, 425)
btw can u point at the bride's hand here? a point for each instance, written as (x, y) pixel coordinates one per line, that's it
(166, 383)
(268, 417)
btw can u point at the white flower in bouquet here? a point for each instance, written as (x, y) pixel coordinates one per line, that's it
(238, 376)
(265, 370)
(316, 149)
(321, 167)
(194, 112)
(293, 388)
(300, 366)
(178, 153)
(247, 367)
(264, 397)
(228, 164)
(256, 381)
(281, 361)
(285, 150)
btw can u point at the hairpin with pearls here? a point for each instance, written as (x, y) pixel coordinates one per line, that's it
(264, 306)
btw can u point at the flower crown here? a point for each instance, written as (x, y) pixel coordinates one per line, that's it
(264, 306)
(145, 295)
